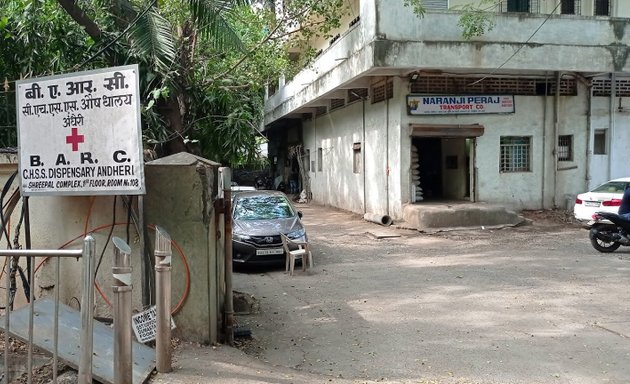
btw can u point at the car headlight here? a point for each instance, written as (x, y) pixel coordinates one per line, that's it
(240, 237)
(298, 234)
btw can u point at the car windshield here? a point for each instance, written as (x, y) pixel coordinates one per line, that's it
(262, 208)
(612, 187)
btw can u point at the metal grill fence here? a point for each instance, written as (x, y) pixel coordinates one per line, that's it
(8, 126)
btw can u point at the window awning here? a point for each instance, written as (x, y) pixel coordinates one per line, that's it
(446, 130)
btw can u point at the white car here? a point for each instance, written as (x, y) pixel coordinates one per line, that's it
(605, 198)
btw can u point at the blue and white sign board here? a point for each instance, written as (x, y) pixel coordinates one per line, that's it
(80, 133)
(457, 105)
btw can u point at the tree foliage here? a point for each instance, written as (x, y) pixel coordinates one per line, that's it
(204, 64)
(475, 20)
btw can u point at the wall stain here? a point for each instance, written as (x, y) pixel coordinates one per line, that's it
(619, 53)
(619, 27)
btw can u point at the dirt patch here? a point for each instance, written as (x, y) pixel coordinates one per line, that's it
(551, 217)
(18, 357)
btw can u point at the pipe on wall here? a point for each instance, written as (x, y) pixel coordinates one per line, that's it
(611, 121)
(556, 127)
(386, 147)
(363, 149)
(589, 136)
(544, 143)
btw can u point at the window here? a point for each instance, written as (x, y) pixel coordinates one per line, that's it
(518, 5)
(515, 154)
(307, 160)
(570, 7)
(599, 142)
(602, 8)
(565, 148)
(435, 4)
(356, 158)
(320, 159)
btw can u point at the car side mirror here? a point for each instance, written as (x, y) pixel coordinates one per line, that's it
(300, 214)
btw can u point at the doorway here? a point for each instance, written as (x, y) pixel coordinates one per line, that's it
(441, 168)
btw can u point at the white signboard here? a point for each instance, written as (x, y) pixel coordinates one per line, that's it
(449, 105)
(144, 325)
(80, 134)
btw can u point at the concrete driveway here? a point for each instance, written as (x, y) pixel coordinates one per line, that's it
(532, 304)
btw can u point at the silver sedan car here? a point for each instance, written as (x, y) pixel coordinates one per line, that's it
(258, 219)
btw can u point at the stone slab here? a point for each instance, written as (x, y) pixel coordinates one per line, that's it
(69, 346)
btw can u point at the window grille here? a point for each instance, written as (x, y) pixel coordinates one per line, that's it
(571, 7)
(357, 94)
(514, 154)
(565, 148)
(435, 4)
(528, 6)
(494, 85)
(320, 111)
(337, 103)
(602, 8)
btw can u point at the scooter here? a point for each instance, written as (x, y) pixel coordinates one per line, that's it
(608, 231)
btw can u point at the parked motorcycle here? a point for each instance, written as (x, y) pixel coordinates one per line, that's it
(608, 231)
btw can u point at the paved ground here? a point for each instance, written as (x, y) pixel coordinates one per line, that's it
(524, 305)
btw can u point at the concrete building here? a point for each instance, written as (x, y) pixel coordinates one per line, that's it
(398, 110)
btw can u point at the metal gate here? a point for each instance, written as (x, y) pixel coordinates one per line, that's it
(85, 365)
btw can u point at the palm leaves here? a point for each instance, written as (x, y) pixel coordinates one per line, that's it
(152, 39)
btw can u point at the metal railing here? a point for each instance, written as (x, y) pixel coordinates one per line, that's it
(87, 309)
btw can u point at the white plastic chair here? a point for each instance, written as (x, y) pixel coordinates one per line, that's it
(302, 252)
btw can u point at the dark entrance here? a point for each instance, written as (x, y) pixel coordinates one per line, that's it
(430, 168)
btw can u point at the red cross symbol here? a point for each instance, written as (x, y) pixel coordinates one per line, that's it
(75, 139)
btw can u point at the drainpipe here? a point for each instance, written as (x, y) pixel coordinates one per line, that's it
(589, 136)
(363, 149)
(386, 147)
(613, 96)
(544, 157)
(556, 124)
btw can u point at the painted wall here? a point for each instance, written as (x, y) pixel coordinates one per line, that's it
(337, 185)
(188, 216)
(336, 132)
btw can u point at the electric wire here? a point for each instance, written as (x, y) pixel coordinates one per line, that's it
(519, 48)
(109, 237)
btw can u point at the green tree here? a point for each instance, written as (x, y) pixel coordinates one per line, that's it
(475, 19)
(204, 63)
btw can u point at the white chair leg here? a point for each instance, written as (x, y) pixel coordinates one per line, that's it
(292, 262)
(310, 259)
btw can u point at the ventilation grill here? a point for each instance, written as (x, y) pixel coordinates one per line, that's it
(435, 4)
(320, 111)
(337, 103)
(514, 86)
(335, 38)
(382, 92)
(355, 94)
(601, 87)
